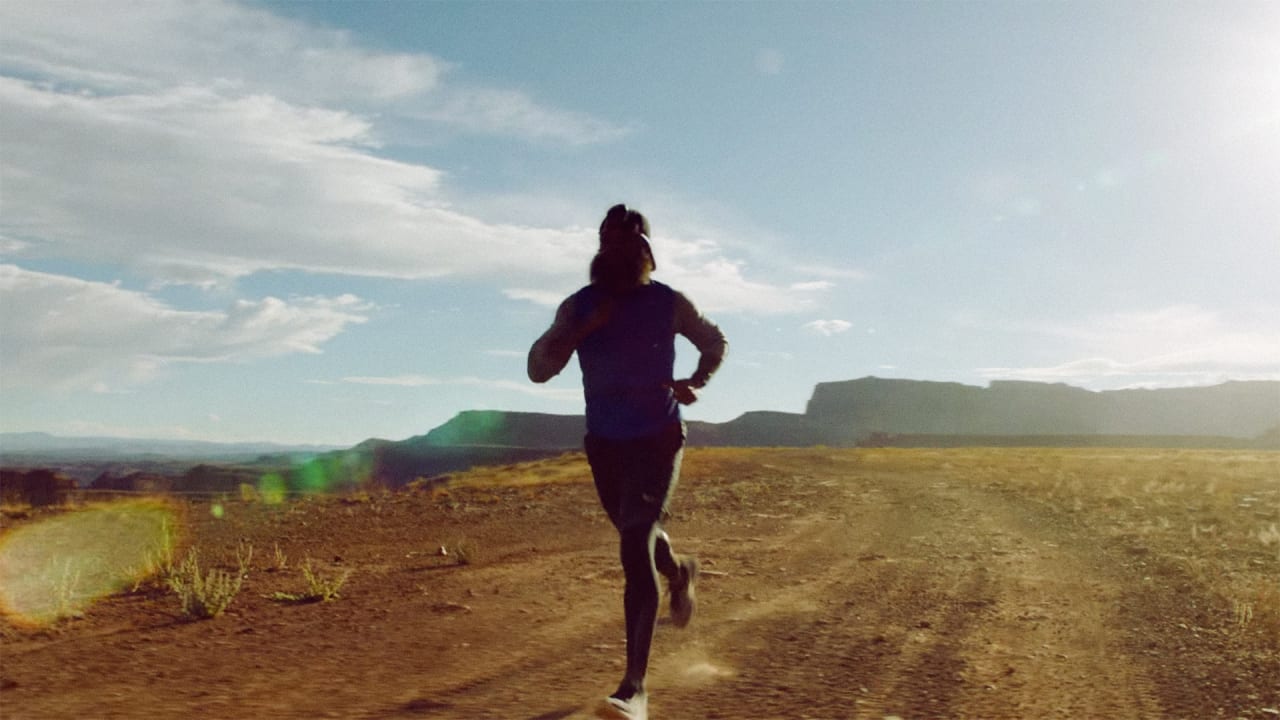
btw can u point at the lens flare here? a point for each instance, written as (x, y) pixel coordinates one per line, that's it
(57, 567)
(330, 473)
(272, 488)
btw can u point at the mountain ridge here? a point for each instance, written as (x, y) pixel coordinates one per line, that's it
(872, 409)
(18, 443)
(869, 411)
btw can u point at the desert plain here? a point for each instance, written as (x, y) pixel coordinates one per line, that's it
(838, 583)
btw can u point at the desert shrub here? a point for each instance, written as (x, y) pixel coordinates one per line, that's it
(157, 565)
(244, 556)
(279, 561)
(323, 587)
(203, 595)
(320, 587)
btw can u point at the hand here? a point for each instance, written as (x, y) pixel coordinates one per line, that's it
(685, 392)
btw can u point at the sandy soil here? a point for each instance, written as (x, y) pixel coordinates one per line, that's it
(835, 590)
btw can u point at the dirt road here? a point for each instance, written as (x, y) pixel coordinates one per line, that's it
(835, 590)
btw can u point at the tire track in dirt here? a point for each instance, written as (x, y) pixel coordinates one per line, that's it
(913, 597)
(557, 637)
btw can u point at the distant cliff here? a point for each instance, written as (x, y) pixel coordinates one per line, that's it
(856, 408)
(869, 412)
(913, 412)
(507, 429)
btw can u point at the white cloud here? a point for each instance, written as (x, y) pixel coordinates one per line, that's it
(146, 47)
(697, 268)
(833, 273)
(545, 298)
(413, 381)
(827, 327)
(717, 284)
(813, 286)
(72, 334)
(1174, 346)
(198, 143)
(9, 246)
(394, 380)
(196, 188)
(140, 46)
(488, 110)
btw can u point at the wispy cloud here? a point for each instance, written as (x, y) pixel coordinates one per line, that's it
(189, 186)
(698, 268)
(198, 143)
(833, 272)
(144, 47)
(201, 143)
(828, 328)
(720, 285)
(75, 334)
(546, 298)
(497, 111)
(1174, 346)
(415, 381)
(813, 285)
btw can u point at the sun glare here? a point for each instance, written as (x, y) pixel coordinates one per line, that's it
(57, 567)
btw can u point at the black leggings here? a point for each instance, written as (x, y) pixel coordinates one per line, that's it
(634, 479)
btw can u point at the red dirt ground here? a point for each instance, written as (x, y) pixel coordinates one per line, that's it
(835, 590)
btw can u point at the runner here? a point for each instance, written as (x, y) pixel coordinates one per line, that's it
(623, 327)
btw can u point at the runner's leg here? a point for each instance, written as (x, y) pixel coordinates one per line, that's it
(640, 604)
(634, 480)
(652, 472)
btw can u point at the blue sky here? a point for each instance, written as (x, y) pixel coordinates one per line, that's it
(322, 222)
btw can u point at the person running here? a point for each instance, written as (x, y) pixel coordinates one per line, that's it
(623, 327)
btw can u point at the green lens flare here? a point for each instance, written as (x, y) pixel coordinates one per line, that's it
(272, 488)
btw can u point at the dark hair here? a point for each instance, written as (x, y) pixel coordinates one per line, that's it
(621, 222)
(624, 257)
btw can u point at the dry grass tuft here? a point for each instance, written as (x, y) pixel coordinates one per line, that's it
(320, 587)
(203, 595)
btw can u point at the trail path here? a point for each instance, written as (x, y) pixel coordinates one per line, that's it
(833, 591)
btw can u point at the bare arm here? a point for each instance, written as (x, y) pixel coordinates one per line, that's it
(707, 338)
(551, 352)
